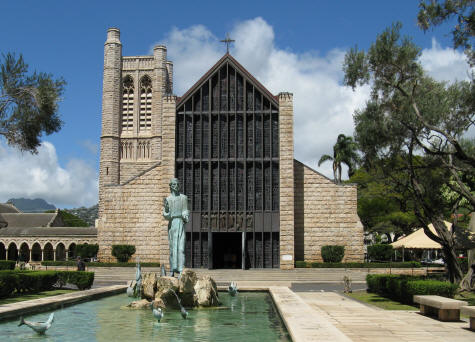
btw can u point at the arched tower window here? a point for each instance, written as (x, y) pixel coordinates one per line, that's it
(145, 116)
(128, 104)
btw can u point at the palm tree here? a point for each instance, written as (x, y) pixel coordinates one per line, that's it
(344, 151)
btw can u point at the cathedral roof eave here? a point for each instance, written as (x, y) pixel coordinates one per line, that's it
(216, 66)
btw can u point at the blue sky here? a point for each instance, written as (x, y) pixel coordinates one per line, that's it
(289, 46)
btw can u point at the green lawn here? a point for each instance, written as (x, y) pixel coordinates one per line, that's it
(466, 296)
(37, 295)
(388, 304)
(380, 302)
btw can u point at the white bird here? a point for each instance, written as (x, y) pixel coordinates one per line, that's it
(39, 327)
(232, 289)
(130, 291)
(157, 313)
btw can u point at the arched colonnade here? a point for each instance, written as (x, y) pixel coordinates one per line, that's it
(36, 250)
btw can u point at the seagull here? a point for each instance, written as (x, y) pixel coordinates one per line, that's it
(130, 291)
(39, 327)
(183, 312)
(232, 289)
(157, 313)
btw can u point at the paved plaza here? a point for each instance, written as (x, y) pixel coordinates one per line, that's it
(310, 302)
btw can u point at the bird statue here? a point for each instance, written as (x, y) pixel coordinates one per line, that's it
(163, 271)
(157, 313)
(183, 312)
(39, 327)
(232, 289)
(130, 291)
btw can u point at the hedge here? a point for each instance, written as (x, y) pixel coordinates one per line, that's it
(402, 288)
(123, 252)
(37, 281)
(100, 264)
(332, 253)
(7, 265)
(83, 280)
(380, 252)
(26, 281)
(407, 264)
(87, 250)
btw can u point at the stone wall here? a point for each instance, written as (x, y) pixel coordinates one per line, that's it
(286, 178)
(132, 215)
(325, 214)
(132, 211)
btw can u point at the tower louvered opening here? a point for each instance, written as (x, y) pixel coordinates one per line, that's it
(227, 161)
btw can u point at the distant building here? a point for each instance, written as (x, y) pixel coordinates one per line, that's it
(230, 143)
(39, 236)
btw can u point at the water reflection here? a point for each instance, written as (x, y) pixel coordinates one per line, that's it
(246, 317)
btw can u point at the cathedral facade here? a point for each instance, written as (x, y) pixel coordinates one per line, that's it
(230, 143)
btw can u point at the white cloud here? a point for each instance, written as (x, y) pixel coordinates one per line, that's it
(445, 64)
(323, 107)
(41, 176)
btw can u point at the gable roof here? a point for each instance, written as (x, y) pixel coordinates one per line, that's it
(25, 220)
(227, 58)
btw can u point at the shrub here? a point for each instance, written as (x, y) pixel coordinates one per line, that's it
(7, 265)
(87, 250)
(100, 264)
(123, 252)
(407, 264)
(83, 280)
(402, 288)
(26, 281)
(333, 253)
(380, 252)
(429, 287)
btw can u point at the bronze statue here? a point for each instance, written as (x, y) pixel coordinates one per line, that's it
(176, 212)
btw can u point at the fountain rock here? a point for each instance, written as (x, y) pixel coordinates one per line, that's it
(192, 290)
(149, 283)
(206, 292)
(139, 304)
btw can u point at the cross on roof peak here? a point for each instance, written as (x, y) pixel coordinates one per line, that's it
(227, 41)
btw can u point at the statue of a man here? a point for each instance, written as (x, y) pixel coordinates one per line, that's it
(176, 212)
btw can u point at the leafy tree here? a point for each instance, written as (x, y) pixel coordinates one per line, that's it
(434, 13)
(28, 104)
(383, 206)
(412, 126)
(344, 151)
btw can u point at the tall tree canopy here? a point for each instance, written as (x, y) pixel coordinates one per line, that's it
(434, 13)
(414, 126)
(344, 151)
(28, 104)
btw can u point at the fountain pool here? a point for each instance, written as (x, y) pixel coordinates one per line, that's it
(249, 316)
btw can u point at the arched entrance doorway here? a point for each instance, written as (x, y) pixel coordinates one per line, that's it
(60, 252)
(3, 251)
(12, 252)
(48, 252)
(36, 252)
(72, 251)
(24, 252)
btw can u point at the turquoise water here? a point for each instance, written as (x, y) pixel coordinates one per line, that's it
(249, 316)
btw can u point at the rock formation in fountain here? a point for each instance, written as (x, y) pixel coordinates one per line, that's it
(191, 289)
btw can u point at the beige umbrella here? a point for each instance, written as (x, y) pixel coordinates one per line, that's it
(419, 239)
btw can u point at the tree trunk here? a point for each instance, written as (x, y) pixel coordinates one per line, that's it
(468, 282)
(448, 247)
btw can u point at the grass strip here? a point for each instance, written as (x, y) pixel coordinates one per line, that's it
(37, 295)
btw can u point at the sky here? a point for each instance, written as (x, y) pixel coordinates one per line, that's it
(295, 47)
